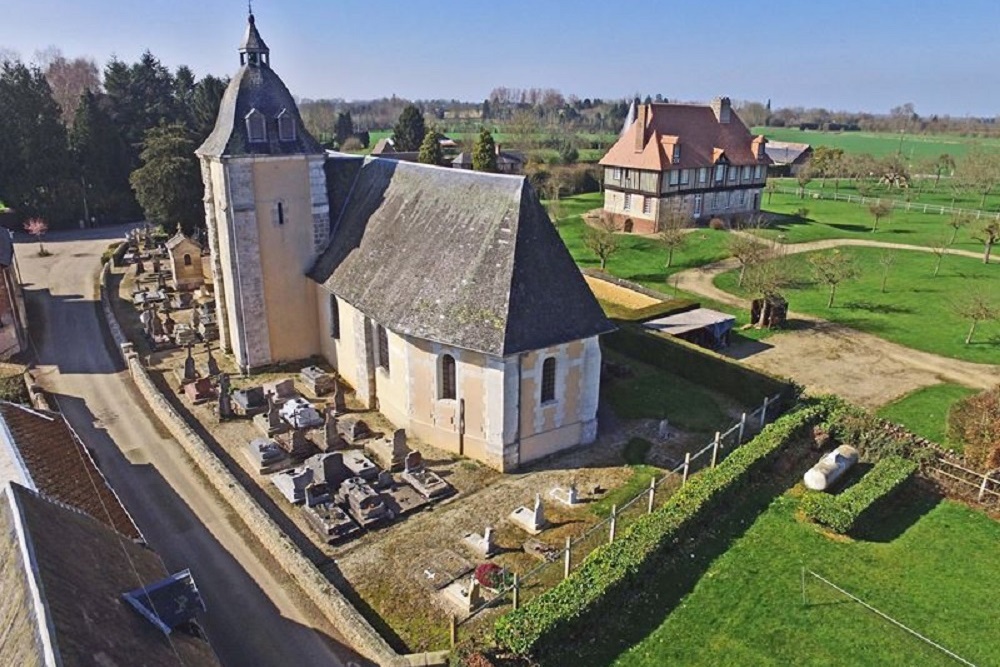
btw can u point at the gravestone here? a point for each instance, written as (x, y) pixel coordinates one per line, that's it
(531, 520)
(427, 482)
(466, 596)
(280, 390)
(161, 282)
(390, 453)
(330, 521)
(365, 505)
(339, 401)
(213, 365)
(156, 265)
(481, 545)
(318, 381)
(139, 268)
(331, 436)
(568, 496)
(250, 401)
(190, 373)
(664, 432)
(266, 455)
(329, 469)
(199, 391)
(353, 429)
(292, 483)
(169, 325)
(360, 465)
(225, 401)
(156, 324)
(269, 421)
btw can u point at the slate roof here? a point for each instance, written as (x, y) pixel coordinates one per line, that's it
(81, 569)
(458, 257)
(61, 467)
(786, 152)
(702, 138)
(256, 86)
(178, 239)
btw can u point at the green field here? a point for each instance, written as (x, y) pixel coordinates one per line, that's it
(925, 411)
(924, 563)
(827, 219)
(913, 147)
(915, 311)
(922, 191)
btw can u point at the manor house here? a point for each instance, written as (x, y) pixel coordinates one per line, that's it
(444, 297)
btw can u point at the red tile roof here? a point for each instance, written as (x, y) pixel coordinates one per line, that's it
(62, 468)
(702, 138)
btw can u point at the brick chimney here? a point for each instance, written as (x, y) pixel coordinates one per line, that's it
(640, 123)
(722, 109)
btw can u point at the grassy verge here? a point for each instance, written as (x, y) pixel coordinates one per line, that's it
(916, 310)
(924, 565)
(925, 411)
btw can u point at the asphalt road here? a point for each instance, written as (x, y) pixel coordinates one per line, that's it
(255, 616)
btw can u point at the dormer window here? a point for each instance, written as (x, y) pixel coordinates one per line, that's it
(256, 127)
(286, 126)
(677, 153)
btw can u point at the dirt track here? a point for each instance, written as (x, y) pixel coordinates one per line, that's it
(828, 357)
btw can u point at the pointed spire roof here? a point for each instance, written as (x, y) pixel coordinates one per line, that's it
(253, 50)
(629, 119)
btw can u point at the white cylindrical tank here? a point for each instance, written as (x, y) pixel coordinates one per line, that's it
(830, 468)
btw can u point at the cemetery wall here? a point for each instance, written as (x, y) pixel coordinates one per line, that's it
(349, 622)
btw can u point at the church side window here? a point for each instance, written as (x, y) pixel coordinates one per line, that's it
(383, 347)
(286, 126)
(334, 317)
(187, 260)
(448, 383)
(256, 127)
(549, 380)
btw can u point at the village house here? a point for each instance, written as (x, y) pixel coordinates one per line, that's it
(787, 158)
(444, 297)
(698, 159)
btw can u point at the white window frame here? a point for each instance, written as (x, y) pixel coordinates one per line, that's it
(616, 173)
(674, 176)
(286, 126)
(747, 171)
(703, 174)
(697, 208)
(685, 176)
(647, 205)
(734, 174)
(627, 202)
(720, 173)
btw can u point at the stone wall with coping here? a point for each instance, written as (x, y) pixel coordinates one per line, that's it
(338, 610)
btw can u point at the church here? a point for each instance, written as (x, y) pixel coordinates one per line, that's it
(444, 297)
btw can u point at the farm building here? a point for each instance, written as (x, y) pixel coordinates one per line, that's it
(787, 158)
(444, 297)
(695, 158)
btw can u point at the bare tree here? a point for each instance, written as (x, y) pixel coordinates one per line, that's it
(748, 251)
(987, 233)
(886, 259)
(68, 79)
(979, 171)
(976, 307)
(940, 248)
(37, 227)
(675, 219)
(956, 223)
(833, 268)
(600, 239)
(879, 210)
(804, 177)
(766, 278)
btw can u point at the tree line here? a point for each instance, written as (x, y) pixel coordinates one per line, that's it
(83, 144)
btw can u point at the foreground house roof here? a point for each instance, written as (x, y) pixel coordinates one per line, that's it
(63, 575)
(702, 138)
(457, 257)
(53, 461)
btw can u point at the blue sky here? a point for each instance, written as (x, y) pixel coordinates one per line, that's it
(839, 54)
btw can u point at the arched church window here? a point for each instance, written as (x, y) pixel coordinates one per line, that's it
(256, 126)
(286, 126)
(334, 317)
(187, 260)
(549, 380)
(383, 347)
(448, 385)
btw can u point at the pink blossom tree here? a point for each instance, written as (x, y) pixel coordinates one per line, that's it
(37, 228)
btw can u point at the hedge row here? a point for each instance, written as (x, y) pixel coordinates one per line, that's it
(611, 568)
(697, 364)
(841, 512)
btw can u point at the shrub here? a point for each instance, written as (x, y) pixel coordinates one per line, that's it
(802, 212)
(717, 223)
(975, 422)
(636, 450)
(841, 512)
(607, 572)
(351, 144)
(13, 389)
(851, 425)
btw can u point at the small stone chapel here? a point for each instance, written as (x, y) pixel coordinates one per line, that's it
(444, 297)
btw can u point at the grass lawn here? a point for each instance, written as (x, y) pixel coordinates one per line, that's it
(913, 147)
(916, 310)
(921, 191)
(925, 411)
(651, 393)
(827, 219)
(925, 565)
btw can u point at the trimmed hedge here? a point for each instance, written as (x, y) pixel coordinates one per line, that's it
(697, 364)
(841, 512)
(613, 567)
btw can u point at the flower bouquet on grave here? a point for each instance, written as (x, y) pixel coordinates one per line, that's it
(493, 578)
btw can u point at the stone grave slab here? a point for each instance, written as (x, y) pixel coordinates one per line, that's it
(329, 469)
(567, 496)
(300, 413)
(331, 522)
(481, 545)
(427, 482)
(250, 401)
(390, 453)
(316, 380)
(402, 499)
(360, 465)
(530, 519)
(200, 391)
(353, 430)
(295, 443)
(292, 483)
(281, 390)
(363, 503)
(266, 456)
(464, 595)
(438, 568)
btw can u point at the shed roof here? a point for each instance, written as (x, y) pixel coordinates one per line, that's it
(690, 320)
(787, 152)
(458, 257)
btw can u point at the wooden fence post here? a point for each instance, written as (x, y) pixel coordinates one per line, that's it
(715, 448)
(743, 428)
(614, 519)
(687, 467)
(982, 487)
(517, 591)
(566, 565)
(652, 494)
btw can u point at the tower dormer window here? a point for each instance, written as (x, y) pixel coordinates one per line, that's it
(677, 153)
(256, 127)
(286, 126)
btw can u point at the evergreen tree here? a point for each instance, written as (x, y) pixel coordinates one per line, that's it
(168, 184)
(102, 159)
(430, 149)
(205, 103)
(142, 96)
(35, 167)
(343, 129)
(484, 152)
(409, 130)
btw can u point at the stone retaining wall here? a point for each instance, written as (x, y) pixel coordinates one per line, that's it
(338, 610)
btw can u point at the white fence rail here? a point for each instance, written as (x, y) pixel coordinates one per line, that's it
(895, 203)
